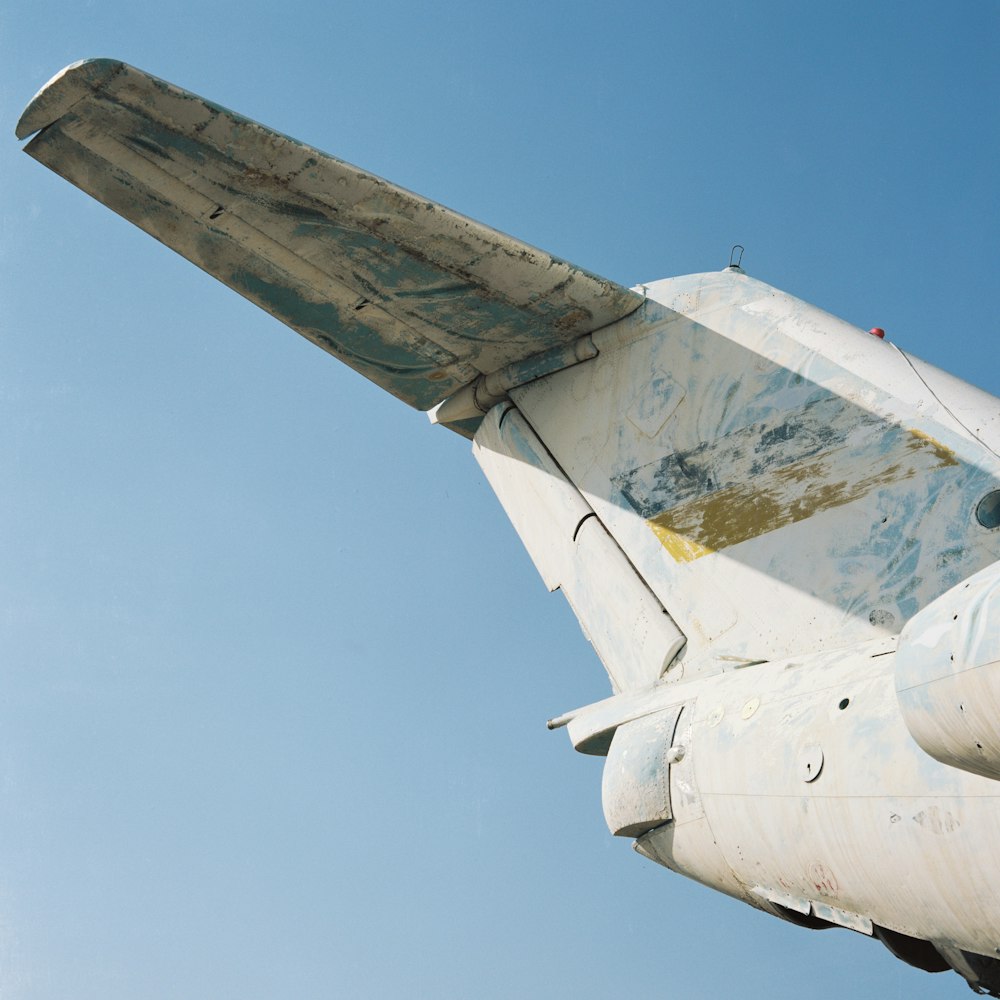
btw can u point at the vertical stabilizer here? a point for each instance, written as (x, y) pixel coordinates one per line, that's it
(781, 481)
(629, 628)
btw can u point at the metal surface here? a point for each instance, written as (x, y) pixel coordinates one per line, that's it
(882, 832)
(636, 786)
(416, 297)
(812, 727)
(948, 675)
(630, 630)
(782, 481)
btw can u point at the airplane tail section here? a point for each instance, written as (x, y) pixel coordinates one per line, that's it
(777, 480)
(715, 473)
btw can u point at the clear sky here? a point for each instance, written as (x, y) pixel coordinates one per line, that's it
(274, 669)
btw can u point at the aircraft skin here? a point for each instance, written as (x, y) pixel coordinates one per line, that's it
(780, 534)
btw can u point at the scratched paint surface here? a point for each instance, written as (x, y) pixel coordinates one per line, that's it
(419, 299)
(775, 473)
(845, 845)
(770, 456)
(948, 675)
(574, 553)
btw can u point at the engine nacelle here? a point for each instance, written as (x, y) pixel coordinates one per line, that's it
(948, 675)
(636, 786)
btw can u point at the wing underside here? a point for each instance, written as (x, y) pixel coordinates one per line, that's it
(419, 299)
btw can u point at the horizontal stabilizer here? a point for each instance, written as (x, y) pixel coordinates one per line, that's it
(419, 299)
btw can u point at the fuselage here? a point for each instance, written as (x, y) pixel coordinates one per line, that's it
(745, 501)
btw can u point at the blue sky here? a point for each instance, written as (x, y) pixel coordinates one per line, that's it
(274, 669)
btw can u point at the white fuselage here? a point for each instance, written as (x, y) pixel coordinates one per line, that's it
(745, 500)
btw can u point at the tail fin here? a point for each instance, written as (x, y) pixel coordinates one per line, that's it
(780, 481)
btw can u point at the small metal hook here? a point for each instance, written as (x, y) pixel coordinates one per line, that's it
(739, 260)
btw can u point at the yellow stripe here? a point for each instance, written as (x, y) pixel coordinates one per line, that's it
(790, 494)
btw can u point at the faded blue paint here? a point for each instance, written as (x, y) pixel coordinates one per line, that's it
(350, 340)
(259, 210)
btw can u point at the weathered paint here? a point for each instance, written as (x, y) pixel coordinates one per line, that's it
(473, 401)
(790, 488)
(770, 456)
(884, 834)
(798, 490)
(948, 675)
(788, 485)
(774, 473)
(629, 629)
(635, 789)
(416, 297)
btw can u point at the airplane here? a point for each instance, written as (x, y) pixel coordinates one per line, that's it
(780, 534)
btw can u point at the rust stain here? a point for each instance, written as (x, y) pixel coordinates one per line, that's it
(572, 318)
(823, 880)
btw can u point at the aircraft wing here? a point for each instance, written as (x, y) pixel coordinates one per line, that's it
(417, 298)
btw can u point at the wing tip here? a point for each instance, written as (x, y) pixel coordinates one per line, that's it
(64, 90)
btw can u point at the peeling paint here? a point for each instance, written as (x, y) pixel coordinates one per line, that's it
(304, 235)
(787, 495)
(753, 451)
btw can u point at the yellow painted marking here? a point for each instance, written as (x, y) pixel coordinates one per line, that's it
(945, 454)
(790, 494)
(681, 548)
